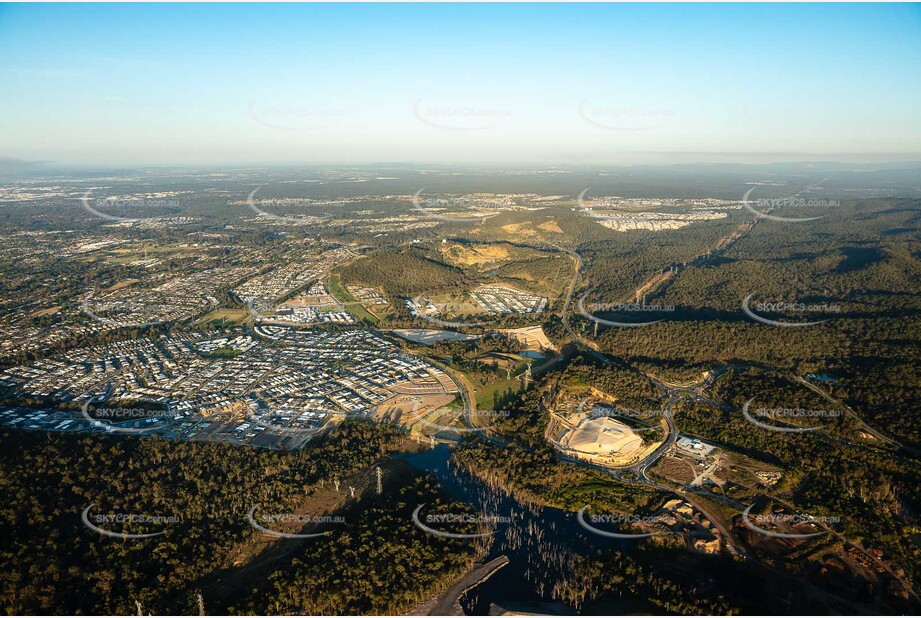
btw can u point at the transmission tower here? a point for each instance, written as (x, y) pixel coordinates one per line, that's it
(380, 485)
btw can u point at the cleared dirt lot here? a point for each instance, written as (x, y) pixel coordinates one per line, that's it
(675, 469)
(408, 409)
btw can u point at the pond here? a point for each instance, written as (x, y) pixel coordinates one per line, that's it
(538, 544)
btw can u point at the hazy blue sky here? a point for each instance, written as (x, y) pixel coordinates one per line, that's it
(199, 84)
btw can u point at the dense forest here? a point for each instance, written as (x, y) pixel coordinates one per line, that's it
(52, 563)
(405, 272)
(383, 565)
(862, 261)
(875, 495)
(617, 573)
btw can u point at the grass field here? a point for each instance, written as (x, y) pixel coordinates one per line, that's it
(338, 291)
(485, 394)
(224, 317)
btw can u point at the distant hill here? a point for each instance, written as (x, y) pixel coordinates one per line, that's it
(404, 272)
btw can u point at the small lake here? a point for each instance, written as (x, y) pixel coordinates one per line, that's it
(538, 545)
(533, 354)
